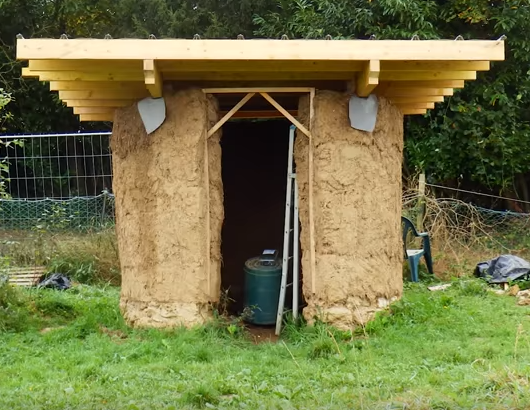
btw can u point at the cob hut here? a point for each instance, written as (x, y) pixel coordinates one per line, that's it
(199, 188)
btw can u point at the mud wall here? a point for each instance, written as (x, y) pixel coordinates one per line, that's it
(357, 210)
(162, 197)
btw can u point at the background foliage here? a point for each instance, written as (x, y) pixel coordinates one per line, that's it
(479, 138)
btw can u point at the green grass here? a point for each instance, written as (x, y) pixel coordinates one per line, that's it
(465, 348)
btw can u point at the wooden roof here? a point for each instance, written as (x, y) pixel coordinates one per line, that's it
(94, 76)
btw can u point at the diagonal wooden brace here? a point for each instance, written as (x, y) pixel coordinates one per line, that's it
(230, 113)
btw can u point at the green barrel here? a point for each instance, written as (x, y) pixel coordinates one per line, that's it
(262, 289)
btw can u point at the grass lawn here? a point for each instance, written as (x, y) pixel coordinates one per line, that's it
(464, 348)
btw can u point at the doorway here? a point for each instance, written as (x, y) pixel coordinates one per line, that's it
(254, 172)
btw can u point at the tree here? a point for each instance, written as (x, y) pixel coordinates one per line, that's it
(480, 136)
(5, 99)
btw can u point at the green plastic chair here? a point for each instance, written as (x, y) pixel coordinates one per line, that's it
(414, 255)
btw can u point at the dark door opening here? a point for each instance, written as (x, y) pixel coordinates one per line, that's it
(254, 172)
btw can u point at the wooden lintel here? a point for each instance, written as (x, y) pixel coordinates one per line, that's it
(261, 114)
(368, 79)
(293, 120)
(153, 78)
(243, 90)
(229, 114)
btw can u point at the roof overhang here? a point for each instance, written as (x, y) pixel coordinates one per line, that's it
(95, 76)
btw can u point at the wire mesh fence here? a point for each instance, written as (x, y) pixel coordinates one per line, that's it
(79, 213)
(468, 229)
(64, 182)
(57, 181)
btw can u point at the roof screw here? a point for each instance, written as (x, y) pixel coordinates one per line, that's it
(502, 38)
(459, 38)
(415, 37)
(108, 37)
(328, 37)
(20, 36)
(372, 37)
(240, 37)
(284, 37)
(196, 37)
(152, 37)
(63, 36)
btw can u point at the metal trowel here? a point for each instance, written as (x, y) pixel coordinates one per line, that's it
(153, 113)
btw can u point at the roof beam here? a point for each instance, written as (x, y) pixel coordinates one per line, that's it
(435, 65)
(413, 111)
(95, 85)
(250, 75)
(103, 94)
(98, 103)
(426, 106)
(425, 84)
(412, 92)
(238, 114)
(245, 76)
(153, 79)
(427, 75)
(83, 76)
(83, 65)
(179, 49)
(175, 66)
(94, 110)
(369, 78)
(418, 99)
(96, 117)
(256, 66)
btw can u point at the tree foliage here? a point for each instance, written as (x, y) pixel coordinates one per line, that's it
(479, 137)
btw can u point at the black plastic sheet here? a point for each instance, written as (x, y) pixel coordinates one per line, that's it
(504, 268)
(55, 281)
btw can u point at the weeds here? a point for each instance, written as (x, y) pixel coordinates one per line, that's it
(87, 258)
(14, 312)
(202, 396)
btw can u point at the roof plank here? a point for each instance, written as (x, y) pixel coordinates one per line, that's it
(181, 49)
